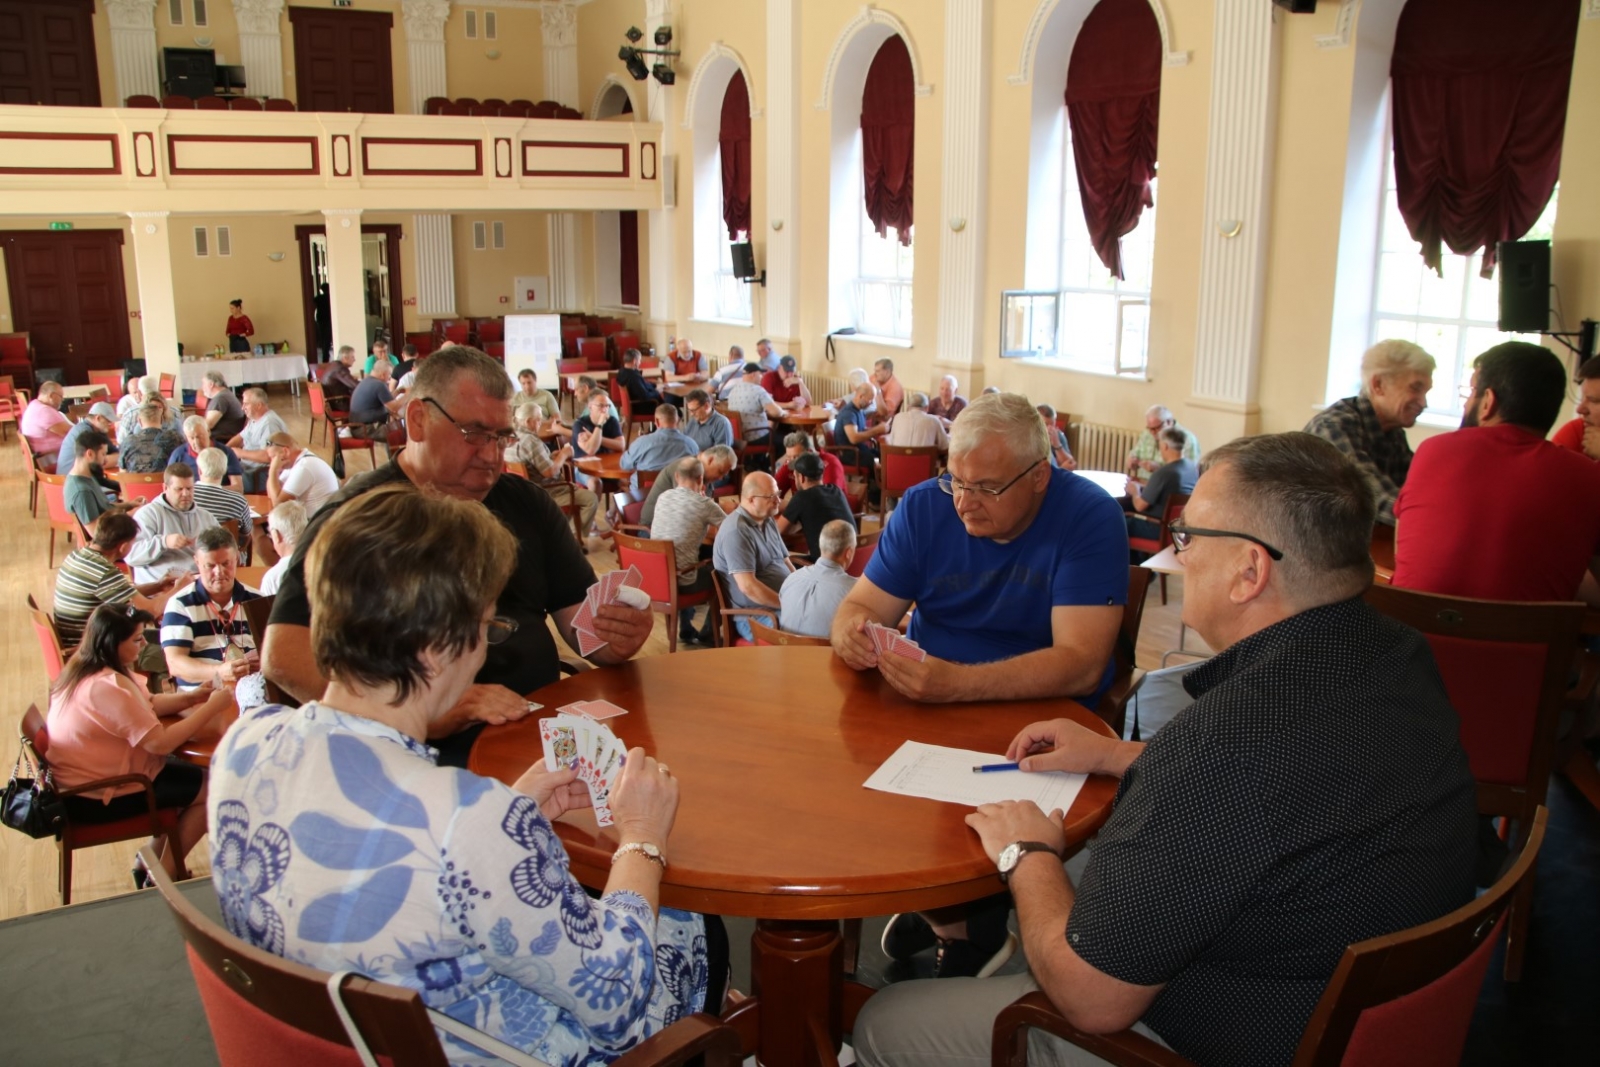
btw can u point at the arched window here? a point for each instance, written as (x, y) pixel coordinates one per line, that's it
(722, 200)
(871, 258)
(616, 233)
(1468, 150)
(1092, 189)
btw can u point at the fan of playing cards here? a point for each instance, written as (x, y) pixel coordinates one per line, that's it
(888, 641)
(577, 739)
(614, 587)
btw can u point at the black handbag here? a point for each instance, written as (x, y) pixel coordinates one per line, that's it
(29, 804)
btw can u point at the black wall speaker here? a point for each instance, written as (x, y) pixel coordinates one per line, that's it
(1524, 286)
(1298, 7)
(744, 260)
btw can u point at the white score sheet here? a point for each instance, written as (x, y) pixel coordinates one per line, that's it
(938, 773)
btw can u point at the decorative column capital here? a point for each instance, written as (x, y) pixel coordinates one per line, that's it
(560, 25)
(131, 14)
(258, 16)
(425, 19)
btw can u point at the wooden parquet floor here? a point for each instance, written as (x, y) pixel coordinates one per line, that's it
(30, 866)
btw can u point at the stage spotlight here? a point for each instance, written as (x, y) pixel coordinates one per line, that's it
(635, 65)
(663, 36)
(664, 74)
(634, 34)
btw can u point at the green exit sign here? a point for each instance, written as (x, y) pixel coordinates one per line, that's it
(61, 225)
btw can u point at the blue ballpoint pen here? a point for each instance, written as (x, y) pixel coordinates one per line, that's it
(985, 768)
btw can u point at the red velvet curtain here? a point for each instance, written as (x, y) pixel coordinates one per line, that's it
(1114, 109)
(888, 136)
(1480, 102)
(735, 141)
(628, 252)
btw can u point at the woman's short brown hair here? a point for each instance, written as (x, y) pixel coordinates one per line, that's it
(396, 572)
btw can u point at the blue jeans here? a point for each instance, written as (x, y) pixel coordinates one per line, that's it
(741, 625)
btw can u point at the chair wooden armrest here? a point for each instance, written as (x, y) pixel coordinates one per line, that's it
(691, 1036)
(632, 529)
(104, 783)
(800, 559)
(1126, 1048)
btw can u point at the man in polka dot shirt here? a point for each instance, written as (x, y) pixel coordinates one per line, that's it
(1315, 794)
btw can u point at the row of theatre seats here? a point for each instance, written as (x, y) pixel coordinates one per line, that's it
(514, 109)
(597, 339)
(212, 103)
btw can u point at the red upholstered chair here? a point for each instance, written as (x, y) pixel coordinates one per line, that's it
(167, 383)
(519, 102)
(458, 333)
(1113, 704)
(592, 350)
(1506, 667)
(726, 635)
(432, 105)
(210, 103)
(245, 103)
(31, 471)
(1169, 513)
(44, 628)
(334, 412)
(54, 487)
(903, 468)
(490, 330)
(568, 113)
(866, 545)
(154, 822)
(657, 562)
(483, 109)
(16, 363)
(467, 101)
(110, 380)
(139, 485)
(141, 100)
(173, 101)
(424, 341)
(278, 103)
(1404, 998)
(571, 334)
(264, 1009)
(566, 370)
(493, 101)
(612, 326)
(546, 109)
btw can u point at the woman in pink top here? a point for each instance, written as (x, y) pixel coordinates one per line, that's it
(103, 724)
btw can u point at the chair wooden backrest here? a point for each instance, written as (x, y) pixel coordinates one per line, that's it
(658, 564)
(592, 350)
(1112, 704)
(110, 381)
(727, 636)
(904, 466)
(140, 485)
(1406, 997)
(168, 382)
(1505, 666)
(866, 545)
(766, 635)
(44, 628)
(256, 614)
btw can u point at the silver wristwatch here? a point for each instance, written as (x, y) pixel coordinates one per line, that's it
(1012, 854)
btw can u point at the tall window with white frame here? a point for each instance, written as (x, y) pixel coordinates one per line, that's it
(1453, 315)
(721, 208)
(1103, 324)
(730, 292)
(881, 291)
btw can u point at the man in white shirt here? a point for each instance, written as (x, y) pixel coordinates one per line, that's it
(754, 406)
(811, 596)
(915, 428)
(285, 525)
(251, 442)
(296, 474)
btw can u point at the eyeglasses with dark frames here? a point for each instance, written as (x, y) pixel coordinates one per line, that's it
(476, 436)
(499, 629)
(952, 486)
(1183, 536)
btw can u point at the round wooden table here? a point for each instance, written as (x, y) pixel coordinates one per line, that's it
(606, 466)
(815, 415)
(772, 746)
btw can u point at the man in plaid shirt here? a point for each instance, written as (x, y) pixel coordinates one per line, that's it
(1371, 426)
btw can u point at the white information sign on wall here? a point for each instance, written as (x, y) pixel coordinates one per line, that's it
(533, 292)
(534, 341)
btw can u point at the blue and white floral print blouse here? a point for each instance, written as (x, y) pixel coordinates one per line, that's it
(338, 842)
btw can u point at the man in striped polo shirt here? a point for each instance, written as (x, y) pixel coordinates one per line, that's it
(204, 632)
(89, 577)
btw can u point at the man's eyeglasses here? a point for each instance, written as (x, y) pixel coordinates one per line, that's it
(952, 485)
(477, 437)
(499, 629)
(1183, 536)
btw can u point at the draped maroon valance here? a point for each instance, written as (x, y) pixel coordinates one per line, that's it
(888, 136)
(735, 140)
(1114, 108)
(1480, 103)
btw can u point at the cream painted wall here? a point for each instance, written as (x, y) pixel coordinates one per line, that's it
(518, 72)
(484, 277)
(202, 286)
(1575, 258)
(221, 28)
(130, 276)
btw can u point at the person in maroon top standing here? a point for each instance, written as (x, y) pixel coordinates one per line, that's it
(1495, 511)
(239, 327)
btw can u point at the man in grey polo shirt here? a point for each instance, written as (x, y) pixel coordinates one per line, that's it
(718, 461)
(811, 595)
(750, 552)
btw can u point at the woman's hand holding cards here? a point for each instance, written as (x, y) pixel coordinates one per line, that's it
(556, 792)
(644, 801)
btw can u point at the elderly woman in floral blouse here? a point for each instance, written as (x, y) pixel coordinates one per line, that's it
(338, 842)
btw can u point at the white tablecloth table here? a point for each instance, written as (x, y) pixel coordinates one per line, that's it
(289, 368)
(1112, 483)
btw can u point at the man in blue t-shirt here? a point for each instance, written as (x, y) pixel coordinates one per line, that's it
(1019, 573)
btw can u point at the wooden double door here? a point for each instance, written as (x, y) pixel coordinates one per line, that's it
(67, 291)
(47, 53)
(342, 60)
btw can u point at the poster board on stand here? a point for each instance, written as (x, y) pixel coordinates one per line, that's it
(534, 341)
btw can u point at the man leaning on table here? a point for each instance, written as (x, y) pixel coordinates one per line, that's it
(458, 425)
(1019, 573)
(1314, 795)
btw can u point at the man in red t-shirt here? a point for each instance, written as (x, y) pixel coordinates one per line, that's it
(786, 385)
(798, 444)
(1495, 511)
(1582, 434)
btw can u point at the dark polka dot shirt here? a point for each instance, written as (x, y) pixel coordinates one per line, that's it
(1315, 794)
